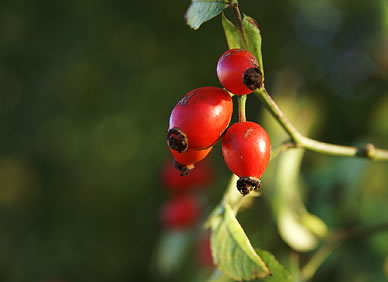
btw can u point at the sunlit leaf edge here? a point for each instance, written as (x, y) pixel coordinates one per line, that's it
(201, 11)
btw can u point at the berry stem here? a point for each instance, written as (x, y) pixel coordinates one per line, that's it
(369, 151)
(237, 16)
(241, 108)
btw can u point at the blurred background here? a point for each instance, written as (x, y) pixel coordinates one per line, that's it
(86, 90)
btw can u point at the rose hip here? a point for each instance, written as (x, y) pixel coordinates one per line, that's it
(199, 119)
(246, 149)
(239, 72)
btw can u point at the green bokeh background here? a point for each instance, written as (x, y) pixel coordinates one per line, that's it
(86, 89)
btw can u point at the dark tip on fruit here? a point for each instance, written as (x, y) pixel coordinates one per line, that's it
(184, 169)
(253, 78)
(177, 140)
(248, 184)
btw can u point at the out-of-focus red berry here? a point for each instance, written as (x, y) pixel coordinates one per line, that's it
(180, 212)
(204, 252)
(200, 177)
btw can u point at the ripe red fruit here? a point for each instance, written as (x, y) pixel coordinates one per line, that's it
(239, 72)
(246, 149)
(184, 162)
(199, 119)
(180, 212)
(198, 178)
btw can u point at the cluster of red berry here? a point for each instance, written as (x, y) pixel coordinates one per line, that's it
(182, 210)
(203, 115)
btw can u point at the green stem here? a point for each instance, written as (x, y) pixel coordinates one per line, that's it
(232, 196)
(317, 259)
(294, 267)
(335, 241)
(237, 16)
(273, 108)
(241, 108)
(368, 151)
(282, 148)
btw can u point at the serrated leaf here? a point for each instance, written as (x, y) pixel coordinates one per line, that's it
(253, 36)
(279, 273)
(201, 11)
(233, 253)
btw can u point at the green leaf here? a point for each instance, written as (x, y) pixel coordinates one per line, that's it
(253, 36)
(232, 251)
(279, 273)
(219, 276)
(232, 34)
(252, 33)
(201, 11)
(297, 227)
(294, 233)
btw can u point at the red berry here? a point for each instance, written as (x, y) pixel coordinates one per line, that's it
(198, 178)
(185, 161)
(190, 157)
(238, 71)
(181, 212)
(246, 149)
(199, 119)
(205, 258)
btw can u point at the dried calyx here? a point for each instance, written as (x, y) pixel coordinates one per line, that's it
(177, 140)
(253, 78)
(248, 184)
(184, 169)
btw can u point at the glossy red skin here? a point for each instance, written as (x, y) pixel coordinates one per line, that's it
(190, 157)
(231, 68)
(181, 212)
(203, 115)
(198, 178)
(246, 149)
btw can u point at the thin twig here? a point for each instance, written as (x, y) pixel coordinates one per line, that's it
(335, 241)
(237, 16)
(369, 151)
